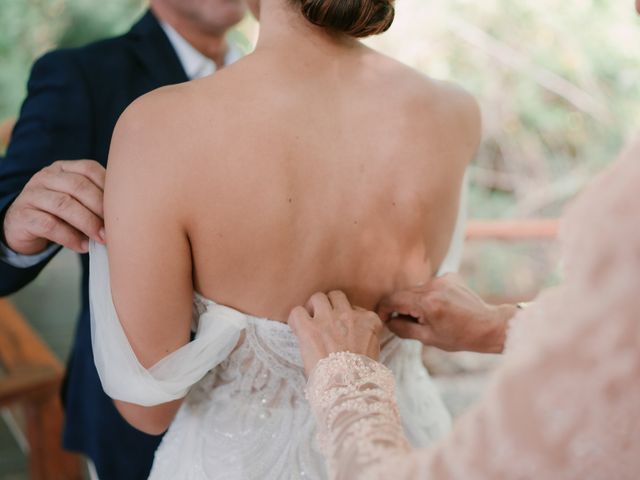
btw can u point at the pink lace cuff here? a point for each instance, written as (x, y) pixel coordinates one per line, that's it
(353, 399)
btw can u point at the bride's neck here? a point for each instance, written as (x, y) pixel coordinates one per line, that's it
(282, 25)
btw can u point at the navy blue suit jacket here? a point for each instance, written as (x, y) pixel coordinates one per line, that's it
(74, 100)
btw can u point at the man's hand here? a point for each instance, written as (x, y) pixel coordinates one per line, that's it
(329, 324)
(446, 314)
(62, 204)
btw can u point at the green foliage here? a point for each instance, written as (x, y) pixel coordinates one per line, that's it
(28, 28)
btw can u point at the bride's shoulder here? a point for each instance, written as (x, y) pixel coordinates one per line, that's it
(168, 112)
(156, 110)
(446, 109)
(449, 102)
(444, 101)
(161, 122)
(153, 141)
(160, 108)
(457, 108)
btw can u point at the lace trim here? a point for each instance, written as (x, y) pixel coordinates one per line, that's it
(353, 398)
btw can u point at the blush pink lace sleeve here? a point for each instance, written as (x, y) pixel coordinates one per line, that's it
(566, 402)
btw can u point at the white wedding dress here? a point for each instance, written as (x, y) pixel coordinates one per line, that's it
(245, 415)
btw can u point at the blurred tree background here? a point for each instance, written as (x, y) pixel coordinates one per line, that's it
(558, 82)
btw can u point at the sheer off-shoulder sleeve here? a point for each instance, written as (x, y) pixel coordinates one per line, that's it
(565, 404)
(122, 376)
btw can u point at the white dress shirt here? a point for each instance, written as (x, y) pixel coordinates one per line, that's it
(195, 65)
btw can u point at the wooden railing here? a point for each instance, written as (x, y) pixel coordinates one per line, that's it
(30, 380)
(512, 230)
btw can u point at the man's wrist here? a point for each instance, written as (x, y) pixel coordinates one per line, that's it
(36, 248)
(17, 260)
(23, 260)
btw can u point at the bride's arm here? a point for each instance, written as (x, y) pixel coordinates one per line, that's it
(149, 252)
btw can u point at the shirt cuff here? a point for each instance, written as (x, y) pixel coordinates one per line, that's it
(25, 261)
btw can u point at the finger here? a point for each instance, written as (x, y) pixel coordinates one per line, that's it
(368, 314)
(79, 187)
(88, 168)
(450, 277)
(409, 329)
(318, 304)
(44, 225)
(359, 309)
(373, 349)
(374, 320)
(405, 302)
(68, 209)
(297, 317)
(339, 301)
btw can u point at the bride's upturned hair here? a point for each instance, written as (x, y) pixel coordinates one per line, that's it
(358, 18)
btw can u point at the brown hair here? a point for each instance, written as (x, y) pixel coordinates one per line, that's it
(358, 18)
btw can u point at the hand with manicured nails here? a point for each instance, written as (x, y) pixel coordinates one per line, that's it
(329, 324)
(63, 204)
(446, 314)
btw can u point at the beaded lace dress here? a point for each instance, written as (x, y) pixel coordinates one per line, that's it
(566, 402)
(245, 415)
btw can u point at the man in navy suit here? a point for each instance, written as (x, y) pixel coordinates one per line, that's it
(51, 195)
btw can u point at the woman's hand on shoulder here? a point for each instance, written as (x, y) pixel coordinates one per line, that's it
(330, 324)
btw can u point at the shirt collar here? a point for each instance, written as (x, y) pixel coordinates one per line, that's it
(194, 63)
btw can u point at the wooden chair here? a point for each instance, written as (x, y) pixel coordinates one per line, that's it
(6, 127)
(513, 230)
(30, 379)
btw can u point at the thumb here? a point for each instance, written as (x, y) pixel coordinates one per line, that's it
(411, 330)
(405, 303)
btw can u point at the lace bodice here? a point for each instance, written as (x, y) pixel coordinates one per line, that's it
(248, 418)
(566, 402)
(245, 415)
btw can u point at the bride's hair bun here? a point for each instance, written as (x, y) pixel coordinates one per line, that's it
(358, 18)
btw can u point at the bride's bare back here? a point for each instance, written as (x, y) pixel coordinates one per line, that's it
(313, 164)
(320, 173)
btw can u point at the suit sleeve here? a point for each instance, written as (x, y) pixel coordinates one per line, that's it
(55, 123)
